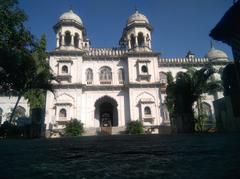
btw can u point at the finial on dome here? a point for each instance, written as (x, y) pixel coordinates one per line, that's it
(71, 8)
(211, 44)
(135, 9)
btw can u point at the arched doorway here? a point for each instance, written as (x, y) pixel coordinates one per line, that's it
(106, 111)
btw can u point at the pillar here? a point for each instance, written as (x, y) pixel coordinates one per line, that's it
(63, 38)
(129, 44)
(57, 43)
(145, 41)
(79, 43)
(72, 40)
(136, 41)
(149, 44)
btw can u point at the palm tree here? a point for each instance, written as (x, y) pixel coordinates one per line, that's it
(184, 92)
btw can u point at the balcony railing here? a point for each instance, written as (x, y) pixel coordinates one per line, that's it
(105, 82)
(89, 82)
(121, 82)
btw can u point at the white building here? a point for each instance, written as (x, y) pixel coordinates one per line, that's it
(8, 103)
(114, 85)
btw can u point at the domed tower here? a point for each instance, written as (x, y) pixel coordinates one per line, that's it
(215, 55)
(137, 33)
(70, 32)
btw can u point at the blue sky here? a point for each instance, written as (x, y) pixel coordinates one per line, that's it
(179, 25)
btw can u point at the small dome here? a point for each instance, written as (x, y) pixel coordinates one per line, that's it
(70, 16)
(137, 18)
(216, 55)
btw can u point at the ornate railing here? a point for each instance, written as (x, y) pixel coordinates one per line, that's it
(106, 52)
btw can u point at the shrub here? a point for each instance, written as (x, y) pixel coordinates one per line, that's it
(9, 130)
(74, 128)
(135, 127)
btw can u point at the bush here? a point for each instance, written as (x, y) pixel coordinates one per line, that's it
(74, 128)
(9, 130)
(135, 127)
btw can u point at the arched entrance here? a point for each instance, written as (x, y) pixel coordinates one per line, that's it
(106, 111)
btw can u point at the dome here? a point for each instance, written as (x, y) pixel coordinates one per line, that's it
(70, 16)
(216, 55)
(137, 18)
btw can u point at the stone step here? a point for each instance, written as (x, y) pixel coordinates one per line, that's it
(97, 130)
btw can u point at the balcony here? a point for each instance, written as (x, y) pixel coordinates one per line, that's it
(62, 120)
(67, 78)
(144, 77)
(105, 82)
(163, 81)
(89, 82)
(121, 82)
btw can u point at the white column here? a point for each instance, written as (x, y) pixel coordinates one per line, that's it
(72, 40)
(129, 44)
(149, 44)
(136, 41)
(57, 43)
(145, 41)
(79, 43)
(63, 38)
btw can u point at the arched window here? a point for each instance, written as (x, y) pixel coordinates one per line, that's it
(148, 37)
(1, 114)
(67, 38)
(20, 111)
(64, 69)
(206, 110)
(148, 40)
(105, 74)
(140, 39)
(60, 39)
(63, 113)
(144, 69)
(120, 75)
(147, 111)
(132, 39)
(163, 77)
(89, 75)
(76, 40)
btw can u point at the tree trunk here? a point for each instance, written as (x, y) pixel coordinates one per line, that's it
(15, 107)
(183, 123)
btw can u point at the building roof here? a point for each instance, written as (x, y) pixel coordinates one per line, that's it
(216, 55)
(70, 16)
(137, 18)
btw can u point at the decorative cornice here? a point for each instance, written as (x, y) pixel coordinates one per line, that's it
(183, 62)
(143, 54)
(103, 87)
(103, 58)
(106, 87)
(67, 52)
(63, 104)
(143, 85)
(148, 26)
(68, 86)
(68, 22)
(65, 61)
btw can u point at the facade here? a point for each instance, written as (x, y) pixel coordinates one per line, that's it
(112, 86)
(8, 103)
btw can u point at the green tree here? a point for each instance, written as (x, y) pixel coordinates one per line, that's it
(19, 72)
(36, 97)
(135, 127)
(74, 128)
(184, 92)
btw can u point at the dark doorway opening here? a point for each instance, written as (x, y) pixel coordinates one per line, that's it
(106, 115)
(106, 112)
